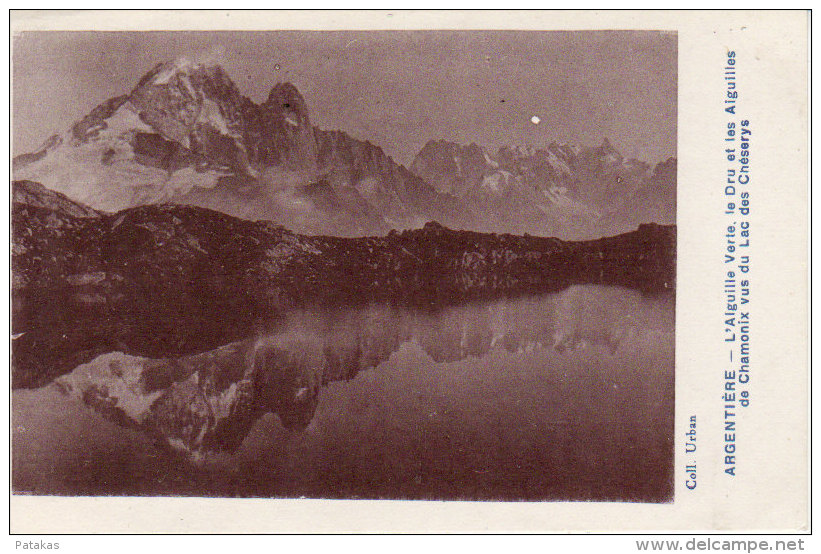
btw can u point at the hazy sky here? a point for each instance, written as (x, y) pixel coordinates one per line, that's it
(397, 89)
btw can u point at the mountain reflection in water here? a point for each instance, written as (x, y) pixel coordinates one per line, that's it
(561, 396)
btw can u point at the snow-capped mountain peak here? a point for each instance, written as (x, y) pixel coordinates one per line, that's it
(186, 134)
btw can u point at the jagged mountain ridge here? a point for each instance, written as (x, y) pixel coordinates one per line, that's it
(186, 134)
(173, 280)
(563, 190)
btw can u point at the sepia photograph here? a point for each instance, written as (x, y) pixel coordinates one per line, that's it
(374, 264)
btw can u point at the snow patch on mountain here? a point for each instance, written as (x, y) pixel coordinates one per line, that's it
(120, 127)
(560, 165)
(490, 162)
(114, 379)
(103, 172)
(211, 115)
(181, 68)
(497, 182)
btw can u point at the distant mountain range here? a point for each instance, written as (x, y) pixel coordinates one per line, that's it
(185, 134)
(562, 190)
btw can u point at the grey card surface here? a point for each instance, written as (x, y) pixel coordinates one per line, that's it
(408, 271)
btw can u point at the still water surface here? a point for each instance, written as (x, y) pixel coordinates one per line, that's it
(567, 396)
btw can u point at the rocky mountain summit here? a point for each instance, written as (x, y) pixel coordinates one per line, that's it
(163, 280)
(186, 133)
(563, 190)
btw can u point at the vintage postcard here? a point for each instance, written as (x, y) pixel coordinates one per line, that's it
(412, 271)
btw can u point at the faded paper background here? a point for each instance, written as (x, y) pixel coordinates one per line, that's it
(770, 491)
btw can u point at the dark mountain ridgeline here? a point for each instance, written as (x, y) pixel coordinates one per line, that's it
(169, 280)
